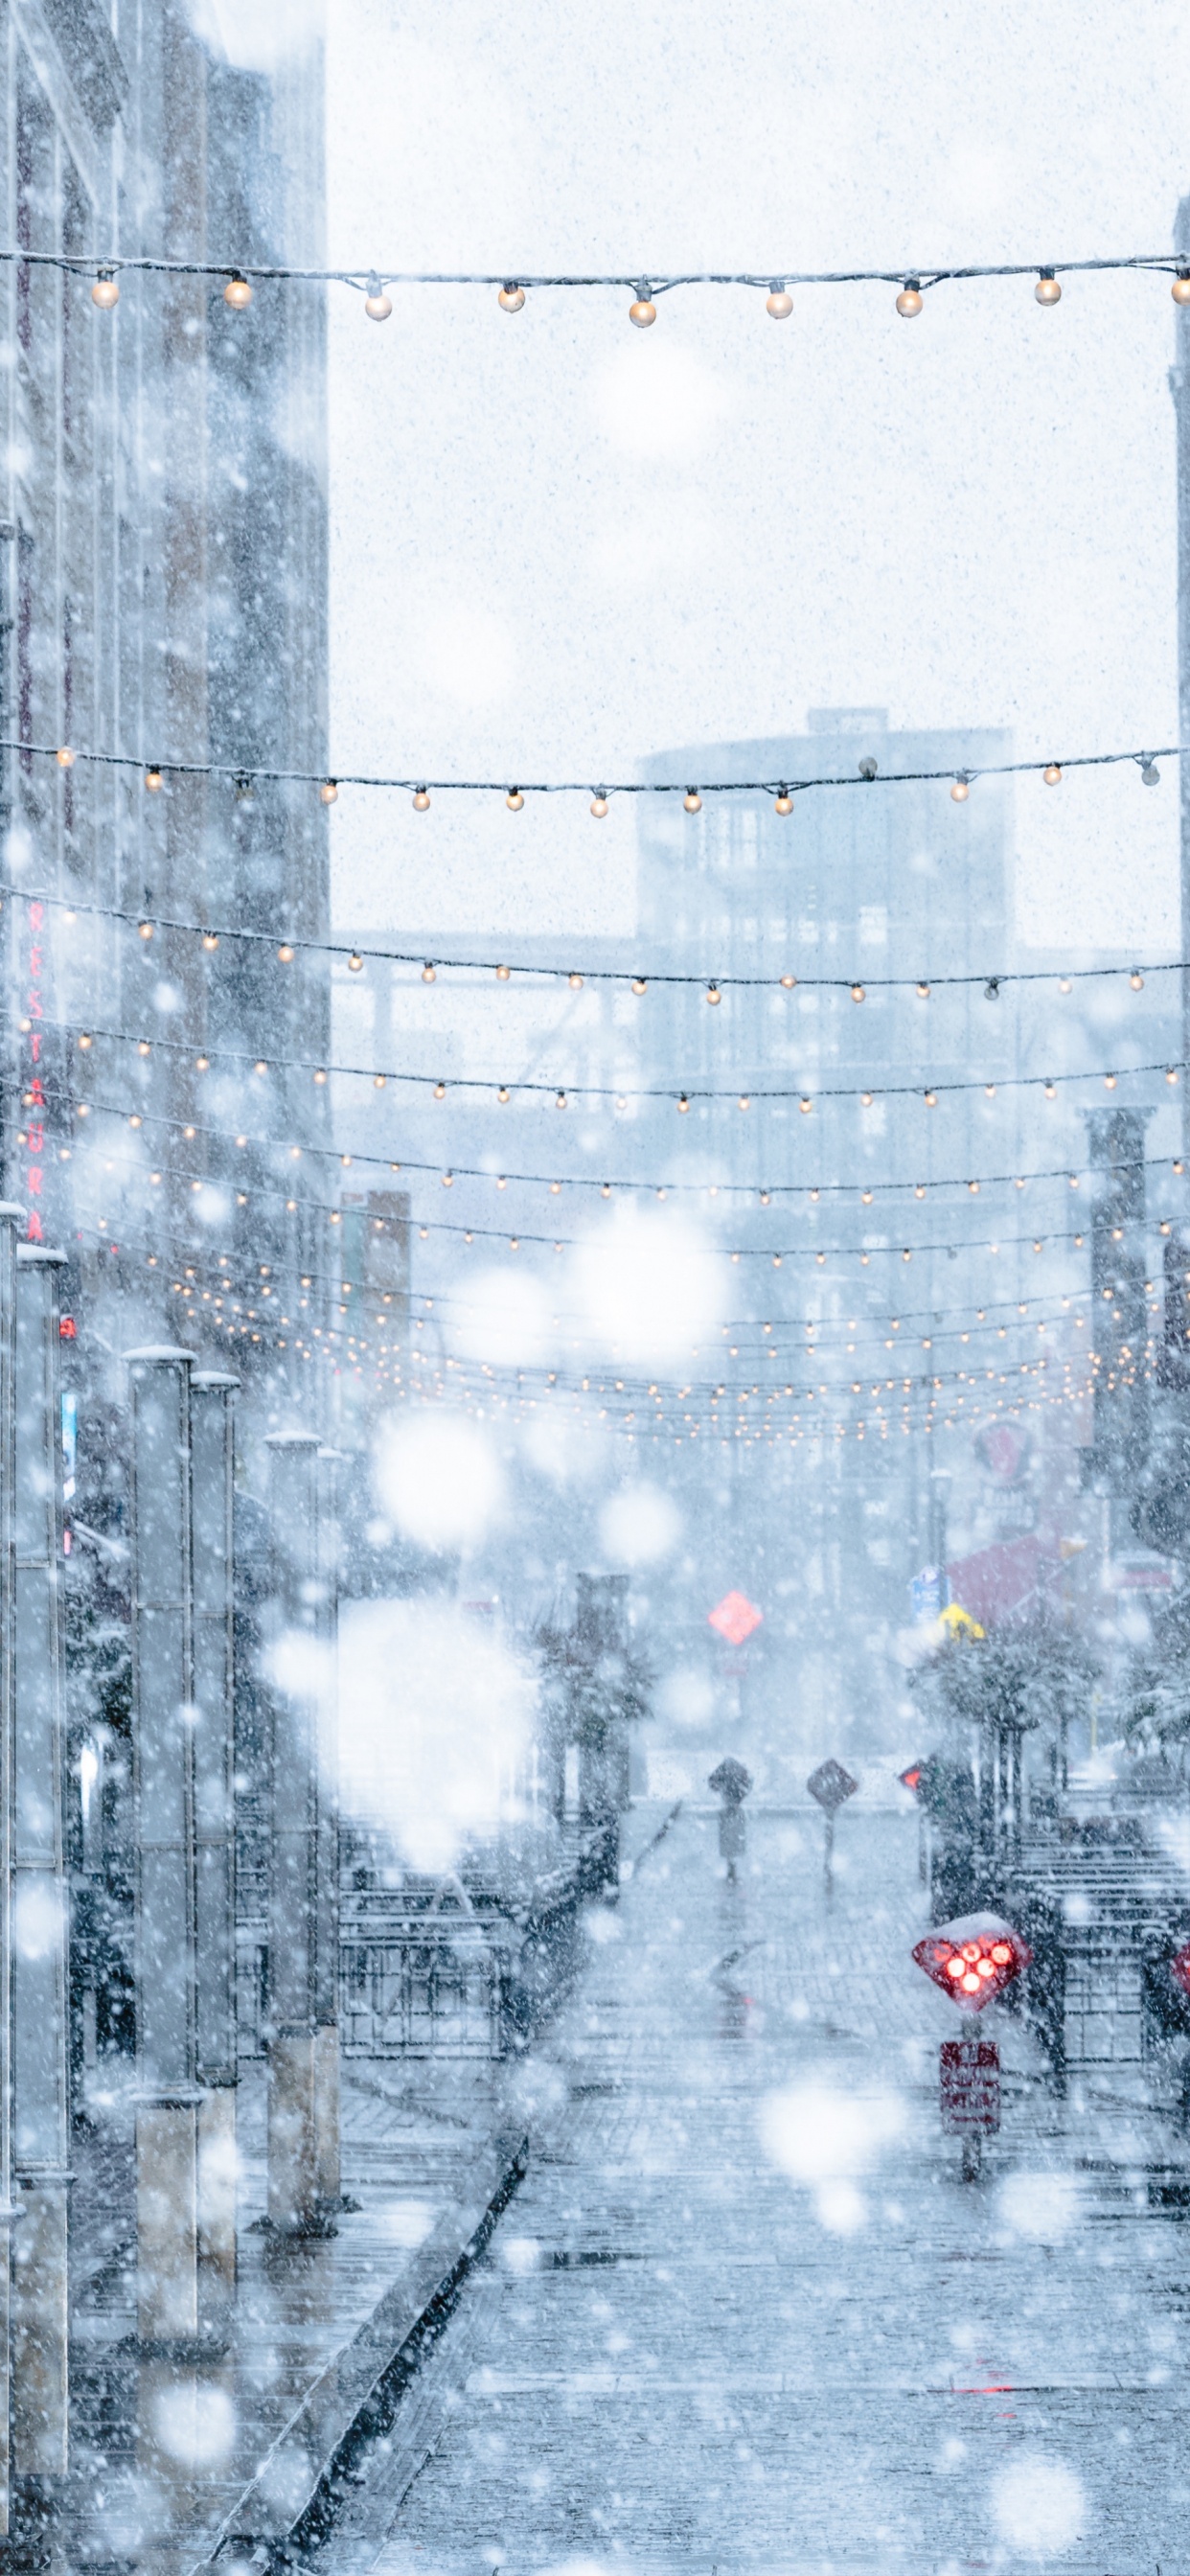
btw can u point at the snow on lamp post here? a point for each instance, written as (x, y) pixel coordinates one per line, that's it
(40, 2115)
(972, 1960)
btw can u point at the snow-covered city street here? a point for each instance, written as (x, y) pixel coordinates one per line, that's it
(743, 2312)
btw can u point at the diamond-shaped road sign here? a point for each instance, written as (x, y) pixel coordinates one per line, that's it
(973, 1959)
(735, 1617)
(831, 1784)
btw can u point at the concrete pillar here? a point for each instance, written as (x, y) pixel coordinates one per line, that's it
(212, 1454)
(302, 2117)
(326, 1966)
(40, 2107)
(167, 2127)
(10, 1217)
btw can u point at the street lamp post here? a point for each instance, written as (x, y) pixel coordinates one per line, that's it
(167, 2122)
(212, 1441)
(10, 1217)
(303, 2035)
(40, 2111)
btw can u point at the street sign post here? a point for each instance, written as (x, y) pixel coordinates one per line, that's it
(972, 1959)
(831, 1785)
(913, 1780)
(969, 2073)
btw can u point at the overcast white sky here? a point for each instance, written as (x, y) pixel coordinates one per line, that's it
(559, 544)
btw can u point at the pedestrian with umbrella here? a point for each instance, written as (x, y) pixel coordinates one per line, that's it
(731, 1783)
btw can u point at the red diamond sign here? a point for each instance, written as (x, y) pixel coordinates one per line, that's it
(735, 1617)
(973, 1959)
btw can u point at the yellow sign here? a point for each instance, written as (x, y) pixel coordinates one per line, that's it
(960, 1621)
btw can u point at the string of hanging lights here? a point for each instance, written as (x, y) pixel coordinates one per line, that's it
(244, 780)
(191, 1130)
(290, 945)
(512, 291)
(866, 1191)
(563, 1095)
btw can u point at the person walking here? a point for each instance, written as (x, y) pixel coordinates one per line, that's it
(731, 1783)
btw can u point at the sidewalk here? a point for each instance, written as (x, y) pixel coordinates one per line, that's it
(744, 2314)
(174, 2466)
(171, 2464)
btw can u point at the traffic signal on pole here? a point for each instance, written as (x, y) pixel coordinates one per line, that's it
(975, 1958)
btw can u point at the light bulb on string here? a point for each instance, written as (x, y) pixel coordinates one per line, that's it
(788, 982)
(805, 1105)
(329, 791)
(575, 982)
(440, 1091)
(713, 993)
(961, 789)
(1136, 980)
(64, 756)
(285, 954)
(377, 305)
(514, 800)
(429, 972)
(153, 781)
(1150, 774)
(692, 801)
(640, 984)
(502, 974)
(857, 993)
(599, 804)
(644, 311)
(145, 930)
(1047, 289)
(210, 940)
(783, 802)
(503, 1093)
(909, 301)
(511, 297)
(1171, 1075)
(923, 992)
(85, 1040)
(105, 292)
(779, 302)
(355, 963)
(237, 293)
(421, 801)
(1180, 290)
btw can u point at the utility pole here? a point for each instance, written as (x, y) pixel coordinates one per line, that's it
(40, 2107)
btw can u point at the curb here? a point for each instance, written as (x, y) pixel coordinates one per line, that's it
(255, 2533)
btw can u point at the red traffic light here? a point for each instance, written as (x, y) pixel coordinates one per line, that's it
(973, 1959)
(912, 1778)
(1179, 1969)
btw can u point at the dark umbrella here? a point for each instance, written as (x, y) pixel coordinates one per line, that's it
(730, 1781)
